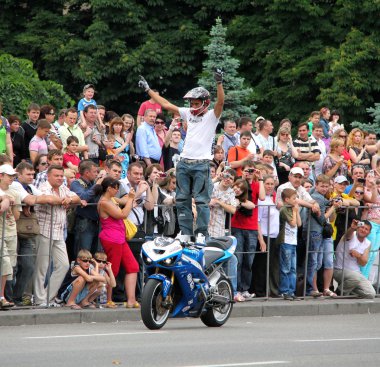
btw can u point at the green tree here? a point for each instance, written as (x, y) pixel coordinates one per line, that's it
(237, 99)
(374, 126)
(20, 85)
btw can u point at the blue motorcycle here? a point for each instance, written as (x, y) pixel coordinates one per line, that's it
(186, 280)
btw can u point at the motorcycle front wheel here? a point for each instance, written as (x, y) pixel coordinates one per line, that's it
(153, 314)
(218, 315)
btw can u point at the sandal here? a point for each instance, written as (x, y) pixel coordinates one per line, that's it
(111, 304)
(134, 305)
(315, 294)
(329, 293)
(89, 305)
(73, 307)
(5, 304)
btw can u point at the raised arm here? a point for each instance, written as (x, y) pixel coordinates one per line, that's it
(160, 100)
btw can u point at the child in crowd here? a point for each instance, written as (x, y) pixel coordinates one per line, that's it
(88, 94)
(105, 270)
(82, 283)
(290, 220)
(70, 159)
(307, 184)
(268, 158)
(38, 144)
(110, 145)
(218, 158)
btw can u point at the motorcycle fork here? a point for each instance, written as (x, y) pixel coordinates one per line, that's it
(168, 301)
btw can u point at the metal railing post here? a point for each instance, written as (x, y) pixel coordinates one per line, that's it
(49, 269)
(344, 250)
(2, 253)
(307, 251)
(268, 254)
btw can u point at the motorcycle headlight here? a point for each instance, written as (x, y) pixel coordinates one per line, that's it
(168, 261)
(147, 260)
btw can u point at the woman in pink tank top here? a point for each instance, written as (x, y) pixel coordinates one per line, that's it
(112, 238)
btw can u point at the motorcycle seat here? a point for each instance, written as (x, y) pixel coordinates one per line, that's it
(211, 254)
(222, 243)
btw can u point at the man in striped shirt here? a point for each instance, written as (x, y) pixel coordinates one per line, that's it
(307, 148)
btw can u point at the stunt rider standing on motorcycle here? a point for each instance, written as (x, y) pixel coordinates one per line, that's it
(193, 169)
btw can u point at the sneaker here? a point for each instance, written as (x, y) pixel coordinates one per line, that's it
(58, 300)
(248, 295)
(315, 294)
(184, 238)
(238, 297)
(27, 300)
(295, 298)
(287, 297)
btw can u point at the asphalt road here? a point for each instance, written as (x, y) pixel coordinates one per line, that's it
(352, 340)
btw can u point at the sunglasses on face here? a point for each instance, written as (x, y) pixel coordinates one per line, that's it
(359, 192)
(343, 136)
(160, 122)
(85, 260)
(43, 163)
(101, 261)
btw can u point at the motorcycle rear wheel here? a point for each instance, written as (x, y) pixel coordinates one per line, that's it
(219, 314)
(153, 314)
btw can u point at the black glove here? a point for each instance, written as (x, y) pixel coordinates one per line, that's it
(143, 83)
(218, 76)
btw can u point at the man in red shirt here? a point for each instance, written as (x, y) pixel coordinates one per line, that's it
(240, 154)
(150, 104)
(245, 226)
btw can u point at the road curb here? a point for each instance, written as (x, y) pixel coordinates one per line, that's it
(254, 308)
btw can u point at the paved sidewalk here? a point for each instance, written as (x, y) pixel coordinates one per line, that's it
(254, 308)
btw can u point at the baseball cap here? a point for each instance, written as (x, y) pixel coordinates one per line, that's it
(297, 171)
(8, 170)
(88, 86)
(340, 179)
(259, 118)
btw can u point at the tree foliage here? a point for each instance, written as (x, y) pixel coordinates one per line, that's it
(218, 53)
(20, 85)
(296, 55)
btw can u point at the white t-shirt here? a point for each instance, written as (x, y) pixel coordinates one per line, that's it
(200, 134)
(350, 262)
(272, 216)
(15, 185)
(319, 164)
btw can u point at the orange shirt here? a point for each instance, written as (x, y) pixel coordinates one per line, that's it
(236, 154)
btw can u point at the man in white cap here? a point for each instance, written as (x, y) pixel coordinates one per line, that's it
(296, 175)
(9, 246)
(340, 184)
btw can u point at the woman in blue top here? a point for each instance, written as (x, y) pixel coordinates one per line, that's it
(121, 147)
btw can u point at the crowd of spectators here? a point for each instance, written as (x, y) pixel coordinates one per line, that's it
(68, 178)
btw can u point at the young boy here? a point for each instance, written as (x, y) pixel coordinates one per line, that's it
(38, 144)
(105, 269)
(70, 159)
(88, 94)
(320, 248)
(82, 283)
(289, 221)
(268, 158)
(29, 127)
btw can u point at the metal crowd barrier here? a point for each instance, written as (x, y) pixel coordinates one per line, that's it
(228, 231)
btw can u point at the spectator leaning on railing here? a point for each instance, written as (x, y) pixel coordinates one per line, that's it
(46, 215)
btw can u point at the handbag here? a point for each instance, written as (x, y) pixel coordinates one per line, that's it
(327, 230)
(27, 227)
(130, 229)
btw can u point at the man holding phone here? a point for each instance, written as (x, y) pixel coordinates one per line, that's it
(193, 169)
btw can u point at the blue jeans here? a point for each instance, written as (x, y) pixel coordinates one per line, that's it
(86, 235)
(193, 181)
(288, 265)
(25, 266)
(245, 253)
(315, 252)
(230, 267)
